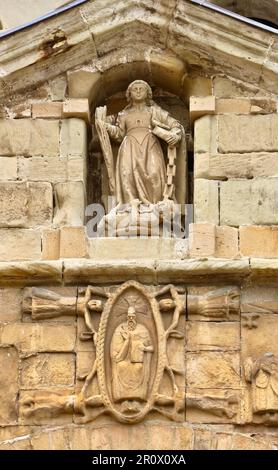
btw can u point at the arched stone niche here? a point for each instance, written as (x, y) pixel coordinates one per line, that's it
(172, 86)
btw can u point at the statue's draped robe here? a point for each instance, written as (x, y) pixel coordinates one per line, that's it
(140, 167)
(130, 362)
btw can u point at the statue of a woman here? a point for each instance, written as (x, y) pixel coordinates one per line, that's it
(140, 172)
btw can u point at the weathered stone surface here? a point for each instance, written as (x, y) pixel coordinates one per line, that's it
(51, 169)
(131, 248)
(29, 337)
(213, 303)
(236, 165)
(213, 370)
(8, 168)
(14, 199)
(73, 138)
(15, 438)
(233, 106)
(201, 240)
(258, 335)
(73, 242)
(259, 241)
(249, 202)
(40, 204)
(236, 133)
(25, 205)
(212, 336)
(10, 305)
(118, 270)
(47, 370)
(47, 414)
(259, 299)
(264, 268)
(206, 201)
(205, 141)
(242, 441)
(20, 244)
(69, 204)
(201, 106)
(29, 137)
(8, 385)
(212, 405)
(77, 108)
(31, 273)
(201, 269)
(50, 244)
(47, 110)
(226, 242)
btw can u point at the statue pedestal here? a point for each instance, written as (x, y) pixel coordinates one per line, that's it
(137, 248)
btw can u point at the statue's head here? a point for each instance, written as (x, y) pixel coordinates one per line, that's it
(139, 90)
(131, 318)
(95, 305)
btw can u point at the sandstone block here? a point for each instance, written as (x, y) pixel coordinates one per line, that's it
(8, 168)
(201, 106)
(259, 241)
(30, 338)
(206, 201)
(226, 88)
(259, 299)
(53, 170)
(8, 385)
(40, 204)
(77, 108)
(212, 336)
(73, 242)
(76, 169)
(47, 110)
(14, 199)
(249, 202)
(258, 335)
(233, 106)
(10, 305)
(47, 370)
(205, 133)
(73, 138)
(29, 137)
(248, 133)
(226, 242)
(69, 203)
(20, 244)
(235, 165)
(201, 240)
(25, 204)
(213, 370)
(50, 244)
(131, 248)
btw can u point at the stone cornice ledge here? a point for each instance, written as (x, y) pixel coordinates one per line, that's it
(77, 271)
(31, 273)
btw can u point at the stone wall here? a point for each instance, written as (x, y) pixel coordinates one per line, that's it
(223, 276)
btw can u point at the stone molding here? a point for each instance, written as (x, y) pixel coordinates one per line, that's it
(192, 33)
(77, 271)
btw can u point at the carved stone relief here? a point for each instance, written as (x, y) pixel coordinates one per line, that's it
(262, 375)
(138, 338)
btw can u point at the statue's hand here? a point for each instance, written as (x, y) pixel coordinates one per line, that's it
(173, 139)
(101, 113)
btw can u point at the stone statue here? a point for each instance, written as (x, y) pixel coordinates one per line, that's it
(263, 376)
(130, 356)
(140, 168)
